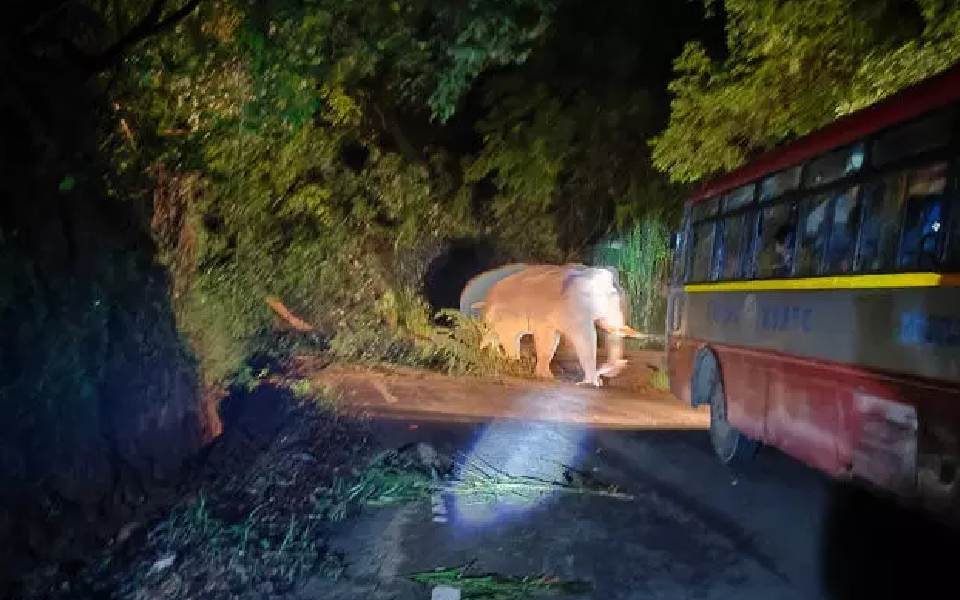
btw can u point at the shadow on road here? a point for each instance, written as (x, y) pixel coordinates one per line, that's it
(875, 548)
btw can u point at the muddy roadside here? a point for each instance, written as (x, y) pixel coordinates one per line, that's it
(250, 516)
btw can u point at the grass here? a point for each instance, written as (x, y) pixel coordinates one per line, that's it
(480, 481)
(660, 380)
(301, 388)
(390, 478)
(394, 477)
(498, 587)
(255, 547)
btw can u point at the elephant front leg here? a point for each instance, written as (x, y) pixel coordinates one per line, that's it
(509, 337)
(585, 343)
(545, 341)
(490, 341)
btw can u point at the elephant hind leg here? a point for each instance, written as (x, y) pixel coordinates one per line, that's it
(545, 341)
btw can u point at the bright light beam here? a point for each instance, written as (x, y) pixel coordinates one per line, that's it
(499, 478)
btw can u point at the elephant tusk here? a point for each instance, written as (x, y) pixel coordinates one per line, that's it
(623, 331)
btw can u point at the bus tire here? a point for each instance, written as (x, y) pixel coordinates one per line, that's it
(730, 445)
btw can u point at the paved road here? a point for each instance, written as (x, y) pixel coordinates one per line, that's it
(684, 527)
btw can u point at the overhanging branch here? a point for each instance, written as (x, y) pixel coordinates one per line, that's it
(151, 24)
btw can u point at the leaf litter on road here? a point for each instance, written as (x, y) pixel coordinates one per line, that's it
(492, 586)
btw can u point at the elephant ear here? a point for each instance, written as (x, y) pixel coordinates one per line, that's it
(580, 276)
(614, 273)
(574, 276)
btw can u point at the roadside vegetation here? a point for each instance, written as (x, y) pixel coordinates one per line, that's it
(499, 587)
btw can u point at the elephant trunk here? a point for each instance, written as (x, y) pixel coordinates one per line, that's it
(615, 361)
(615, 330)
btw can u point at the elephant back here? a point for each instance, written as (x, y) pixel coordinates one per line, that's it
(478, 288)
(535, 289)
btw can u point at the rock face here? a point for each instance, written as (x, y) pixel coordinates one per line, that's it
(98, 390)
(101, 405)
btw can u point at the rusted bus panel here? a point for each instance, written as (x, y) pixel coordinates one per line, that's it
(884, 448)
(802, 416)
(842, 419)
(745, 379)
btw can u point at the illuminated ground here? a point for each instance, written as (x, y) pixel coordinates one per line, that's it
(684, 527)
(425, 396)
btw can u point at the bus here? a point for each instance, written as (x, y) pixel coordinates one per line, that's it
(814, 301)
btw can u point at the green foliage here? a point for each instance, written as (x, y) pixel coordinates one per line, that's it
(391, 477)
(491, 33)
(415, 338)
(564, 135)
(301, 388)
(263, 105)
(499, 587)
(792, 66)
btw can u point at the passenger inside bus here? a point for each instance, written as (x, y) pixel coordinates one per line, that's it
(920, 246)
(843, 232)
(814, 231)
(783, 246)
(778, 227)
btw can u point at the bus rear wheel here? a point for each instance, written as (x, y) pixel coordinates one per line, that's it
(731, 447)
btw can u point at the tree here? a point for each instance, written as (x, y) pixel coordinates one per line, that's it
(564, 136)
(792, 66)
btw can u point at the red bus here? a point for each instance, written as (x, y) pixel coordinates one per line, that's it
(815, 298)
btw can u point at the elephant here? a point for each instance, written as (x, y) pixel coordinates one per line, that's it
(547, 301)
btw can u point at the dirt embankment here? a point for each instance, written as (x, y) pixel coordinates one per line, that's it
(240, 524)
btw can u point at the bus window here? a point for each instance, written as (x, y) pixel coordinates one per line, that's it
(834, 165)
(923, 224)
(880, 230)
(780, 183)
(843, 232)
(705, 209)
(702, 251)
(913, 138)
(738, 198)
(814, 229)
(736, 231)
(679, 254)
(953, 244)
(778, 228)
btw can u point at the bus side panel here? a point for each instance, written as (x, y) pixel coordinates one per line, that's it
(742, 377)
(833, 417)
(802, 415)
(846, 420)
(745, 386)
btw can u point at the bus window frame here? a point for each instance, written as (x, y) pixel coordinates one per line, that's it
(714, 220)
(950, 190)
(953, 185)
(747, 243)
(862, 178)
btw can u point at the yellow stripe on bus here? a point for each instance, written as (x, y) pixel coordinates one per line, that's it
(837, 282)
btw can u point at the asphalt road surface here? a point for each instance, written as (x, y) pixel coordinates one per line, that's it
(680, 525)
